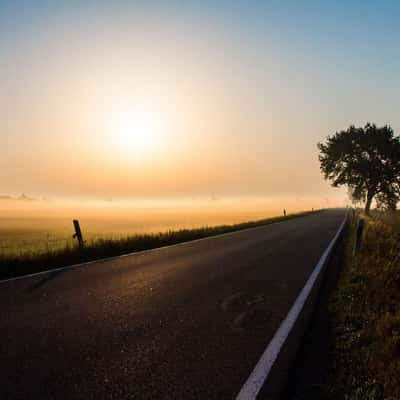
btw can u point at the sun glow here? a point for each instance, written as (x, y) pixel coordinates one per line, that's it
(137, 131)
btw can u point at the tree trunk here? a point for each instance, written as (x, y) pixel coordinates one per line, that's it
(370, 196)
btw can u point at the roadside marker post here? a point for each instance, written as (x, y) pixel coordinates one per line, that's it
(78, 233)
(360, 230)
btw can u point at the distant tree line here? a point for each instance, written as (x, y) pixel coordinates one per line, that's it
(367, 160)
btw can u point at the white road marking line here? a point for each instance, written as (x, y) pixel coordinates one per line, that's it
(100, 260)
(256, 380)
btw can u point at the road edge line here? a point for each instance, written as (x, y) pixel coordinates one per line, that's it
(258, 376)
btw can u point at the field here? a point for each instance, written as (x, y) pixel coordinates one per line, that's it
(42, 226)
(48, 232)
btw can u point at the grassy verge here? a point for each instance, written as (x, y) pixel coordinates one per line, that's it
(11, 266)
(365, 309)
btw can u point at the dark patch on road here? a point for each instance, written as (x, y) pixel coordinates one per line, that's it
(248, 311)
(256, 318)
(235, 301)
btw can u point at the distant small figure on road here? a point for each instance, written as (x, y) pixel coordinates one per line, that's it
(284, 212)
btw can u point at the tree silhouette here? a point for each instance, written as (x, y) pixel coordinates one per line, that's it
(367, 160)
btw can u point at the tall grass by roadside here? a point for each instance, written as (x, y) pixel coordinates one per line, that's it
(366, 313)
(16, 265)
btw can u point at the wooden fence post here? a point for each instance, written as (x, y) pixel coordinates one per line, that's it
(78, 233)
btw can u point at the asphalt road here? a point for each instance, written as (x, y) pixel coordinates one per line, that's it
(182, 322)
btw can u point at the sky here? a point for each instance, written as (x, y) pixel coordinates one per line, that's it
(149, 100)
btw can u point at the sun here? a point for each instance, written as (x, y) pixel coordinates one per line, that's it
(136, 131)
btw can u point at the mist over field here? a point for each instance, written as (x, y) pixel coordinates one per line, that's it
(30, 224)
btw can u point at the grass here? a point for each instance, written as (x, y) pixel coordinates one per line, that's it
(13, 264)
(22, 242)
(15, 243)
(365, 308)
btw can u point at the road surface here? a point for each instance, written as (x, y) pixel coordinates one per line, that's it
(184, 322)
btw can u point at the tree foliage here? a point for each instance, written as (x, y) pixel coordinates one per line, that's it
(367, 160)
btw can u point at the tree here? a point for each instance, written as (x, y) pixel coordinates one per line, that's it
(386, 201)
(367, 160)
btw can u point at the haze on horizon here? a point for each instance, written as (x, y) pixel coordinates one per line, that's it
(153, 100)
